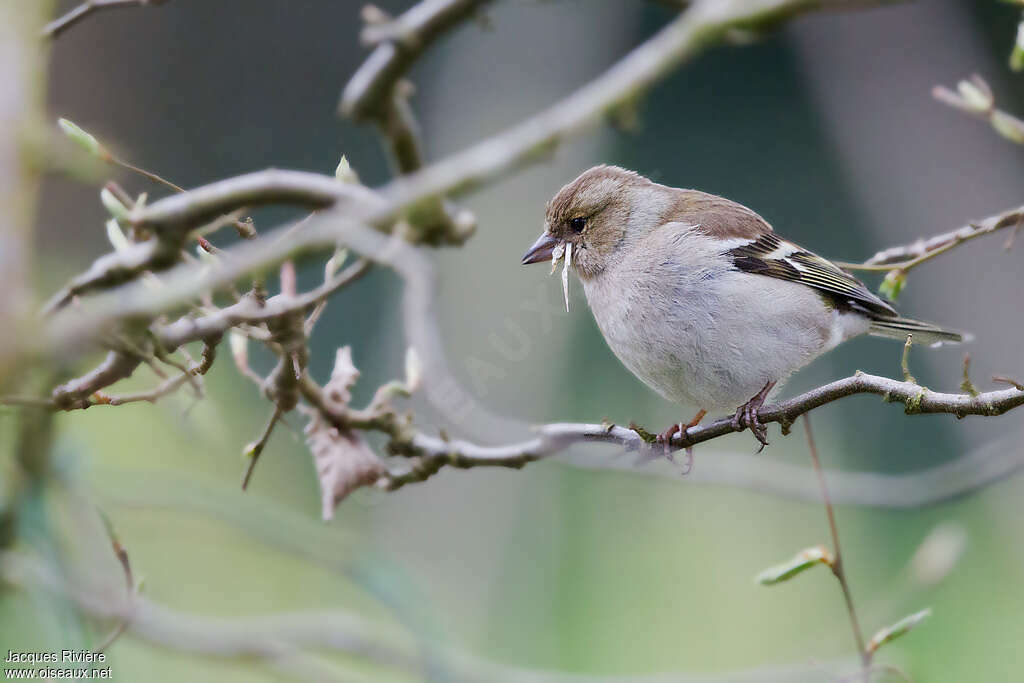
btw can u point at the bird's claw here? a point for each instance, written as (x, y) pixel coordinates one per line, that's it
(665, 438)
(687, 467)
(747, 416)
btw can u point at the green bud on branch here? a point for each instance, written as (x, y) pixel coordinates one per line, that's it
(893, 284)
(1010, 127)
(116, 236)
(113, 205)
(83, 139)
(900, 628)
(345, 173)
(1017, 53)
(803, 561)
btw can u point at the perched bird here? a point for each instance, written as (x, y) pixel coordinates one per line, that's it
(700, 299)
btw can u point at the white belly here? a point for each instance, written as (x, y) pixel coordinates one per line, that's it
(703, 338)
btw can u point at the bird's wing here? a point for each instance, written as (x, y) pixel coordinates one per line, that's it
(773, 256)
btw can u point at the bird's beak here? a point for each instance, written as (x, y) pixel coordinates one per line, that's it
(541, 249)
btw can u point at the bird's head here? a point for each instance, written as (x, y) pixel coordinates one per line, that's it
(592, 214)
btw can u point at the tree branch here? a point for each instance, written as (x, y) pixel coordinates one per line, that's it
(907, 256)
(431, 454)
(836, 563)
(400, 42)
(180, 213)
(290, 635)
(251, 311)
(66, 21)
(377, 93)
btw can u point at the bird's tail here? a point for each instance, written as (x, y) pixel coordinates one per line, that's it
(924, 333)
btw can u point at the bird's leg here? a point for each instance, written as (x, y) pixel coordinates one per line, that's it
(747, 416)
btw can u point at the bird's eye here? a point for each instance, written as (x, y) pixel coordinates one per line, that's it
(577, 224)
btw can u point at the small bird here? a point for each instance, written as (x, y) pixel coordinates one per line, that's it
(700, 299)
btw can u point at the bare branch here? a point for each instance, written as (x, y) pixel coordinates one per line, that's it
(907, 256)
(975, 97)
(66, 21)
(182, 212)
(252, 311)
(290, 635)
(437, 220)
(253, 450)
(431, 454)
(399, 42)
(377, 93)
(117, 366)
(835, 562)
(117, 268)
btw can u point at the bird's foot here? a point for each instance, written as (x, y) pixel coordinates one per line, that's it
(747, 416)
(665, 438)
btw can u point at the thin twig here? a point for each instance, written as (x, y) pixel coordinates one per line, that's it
(256, 448)
(122, 557)
(66, 21)
(146, 174)
(351, 273)
(1008, 380)
(837, 557)
(250, 311)
(911, 255)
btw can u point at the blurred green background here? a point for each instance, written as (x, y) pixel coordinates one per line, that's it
(826, 128)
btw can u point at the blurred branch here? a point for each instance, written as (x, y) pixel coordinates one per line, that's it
(399, 43)
(283, 639)
(271, 638)
(377, 93)
(21, 111)
(251, 310)
(975, 97)
(116, 366)
(177, 214)
(117, 268)
(66, 21)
